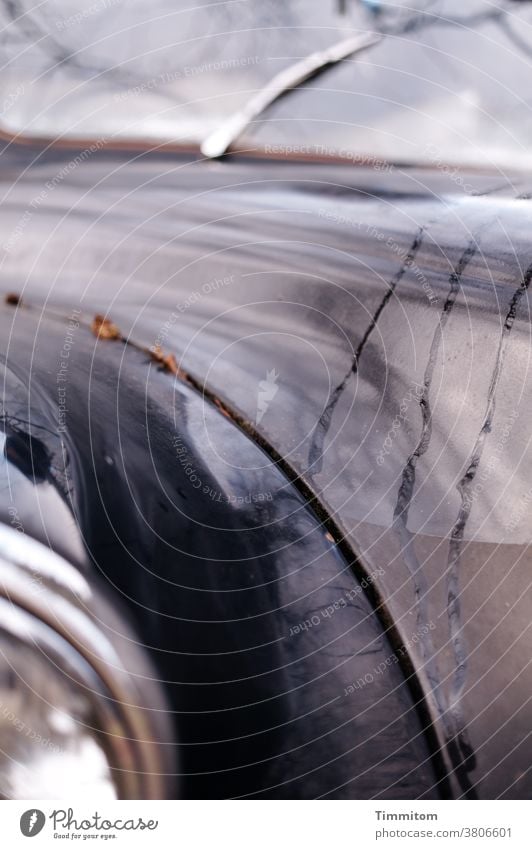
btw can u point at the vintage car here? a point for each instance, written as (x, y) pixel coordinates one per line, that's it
(265, 352)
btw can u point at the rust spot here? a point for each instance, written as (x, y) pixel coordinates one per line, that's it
(222, 408)
(166, 362)
(103, 328)
(13, 299)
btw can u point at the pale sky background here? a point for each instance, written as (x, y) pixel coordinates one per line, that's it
(174, 70)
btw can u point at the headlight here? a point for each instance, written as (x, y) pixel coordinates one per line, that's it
(81, 711)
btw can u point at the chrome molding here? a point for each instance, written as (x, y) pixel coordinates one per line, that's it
(46, 605)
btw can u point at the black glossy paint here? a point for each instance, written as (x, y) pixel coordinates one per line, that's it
(217, 577)
(364, 290)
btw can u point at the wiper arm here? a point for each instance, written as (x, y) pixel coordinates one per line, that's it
(219, 142)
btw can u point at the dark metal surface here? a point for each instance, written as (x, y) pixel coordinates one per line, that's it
(378, 297)
(224, 569)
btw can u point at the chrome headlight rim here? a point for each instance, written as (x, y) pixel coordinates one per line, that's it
(46, 603)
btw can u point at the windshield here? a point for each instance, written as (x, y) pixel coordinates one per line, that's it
(448, 81)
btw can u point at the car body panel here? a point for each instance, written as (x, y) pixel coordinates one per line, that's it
(350, 289)
(256, 623)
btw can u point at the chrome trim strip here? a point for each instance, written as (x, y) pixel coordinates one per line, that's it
(219, 142)
(125, 688)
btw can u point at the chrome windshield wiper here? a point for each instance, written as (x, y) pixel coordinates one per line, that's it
(218, 142)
